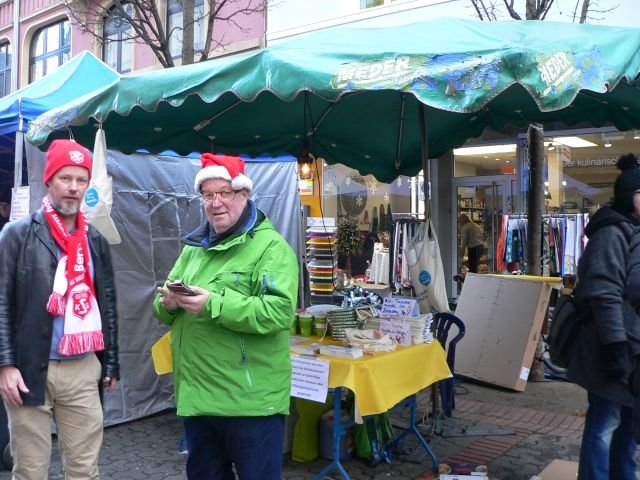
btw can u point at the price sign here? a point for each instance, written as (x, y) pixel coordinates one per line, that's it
(393, 307)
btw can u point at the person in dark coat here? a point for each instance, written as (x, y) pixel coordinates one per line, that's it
(603, 357)
(58, 324)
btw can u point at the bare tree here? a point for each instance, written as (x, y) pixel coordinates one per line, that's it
(148, 23)
(583, 10)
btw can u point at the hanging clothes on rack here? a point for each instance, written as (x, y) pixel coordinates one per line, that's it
(563, 241)
(403, 227)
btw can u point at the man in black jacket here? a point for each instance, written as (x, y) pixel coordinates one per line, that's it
(58, 324)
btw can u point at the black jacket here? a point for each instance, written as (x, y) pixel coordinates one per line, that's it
(28, 261)
(602, 277)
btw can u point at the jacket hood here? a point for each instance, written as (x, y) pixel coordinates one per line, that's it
(607, 216)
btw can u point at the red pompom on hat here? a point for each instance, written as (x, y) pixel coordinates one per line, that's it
(63, 153)
(225, 167)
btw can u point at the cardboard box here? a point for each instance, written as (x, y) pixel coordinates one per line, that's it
(560, 470)
(503, 317)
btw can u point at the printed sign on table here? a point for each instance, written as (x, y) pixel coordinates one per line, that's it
(393, 307)
(398, 331)
(309, 378)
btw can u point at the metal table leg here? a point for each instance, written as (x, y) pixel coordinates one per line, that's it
(411, 428)
(338, 432)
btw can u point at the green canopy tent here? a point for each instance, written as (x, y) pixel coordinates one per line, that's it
(367, 97)
(352, 95)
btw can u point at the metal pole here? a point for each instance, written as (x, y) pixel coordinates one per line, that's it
(536, 199)
(17, 174)
(424, 152)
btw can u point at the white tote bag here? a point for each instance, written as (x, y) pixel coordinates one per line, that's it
(426, 270)
(99, 196)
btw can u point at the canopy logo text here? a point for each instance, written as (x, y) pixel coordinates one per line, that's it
(558, 71)
(378, 74)
(448, 73)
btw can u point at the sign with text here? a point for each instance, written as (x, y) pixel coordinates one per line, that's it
(309, 378)
(398, 331)
(394, 307)
(20, 203)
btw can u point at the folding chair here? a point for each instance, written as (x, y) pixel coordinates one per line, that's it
(442, 322)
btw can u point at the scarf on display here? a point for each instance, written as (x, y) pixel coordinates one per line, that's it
(73, 296)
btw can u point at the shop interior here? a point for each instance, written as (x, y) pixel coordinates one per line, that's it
(487, 184)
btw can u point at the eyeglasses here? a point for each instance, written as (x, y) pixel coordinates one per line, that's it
(224, 195)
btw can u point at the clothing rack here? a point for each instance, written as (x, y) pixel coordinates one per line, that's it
(402, 229)
(517, 216)
(407, 216)
(563, 241)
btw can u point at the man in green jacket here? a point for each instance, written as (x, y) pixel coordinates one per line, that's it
(230, 333)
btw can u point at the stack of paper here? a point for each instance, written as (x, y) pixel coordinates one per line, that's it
(420, 326)
(342, 352)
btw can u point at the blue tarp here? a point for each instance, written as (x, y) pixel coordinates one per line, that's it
(79, 76)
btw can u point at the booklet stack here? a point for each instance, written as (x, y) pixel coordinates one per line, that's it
(341, 352)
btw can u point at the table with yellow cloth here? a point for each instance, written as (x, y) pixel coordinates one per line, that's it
(379, 382)
(382, 380)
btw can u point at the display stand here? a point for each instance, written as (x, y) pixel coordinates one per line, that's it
(322, 258)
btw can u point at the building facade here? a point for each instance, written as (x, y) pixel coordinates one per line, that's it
(37, 36)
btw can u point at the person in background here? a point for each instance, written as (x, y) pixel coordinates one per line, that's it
(5, 207)
(609, 340)
(230, 339)
(471, 239)
(58, 325)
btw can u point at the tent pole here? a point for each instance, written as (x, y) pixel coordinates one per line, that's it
(424, 152)
(17, 174)
(535, 199)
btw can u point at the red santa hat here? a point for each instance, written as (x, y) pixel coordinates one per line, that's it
(225, 167)
(63, 153)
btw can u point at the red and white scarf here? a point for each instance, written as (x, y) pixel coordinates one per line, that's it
(73, 295)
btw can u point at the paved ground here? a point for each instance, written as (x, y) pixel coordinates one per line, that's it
(515, 433)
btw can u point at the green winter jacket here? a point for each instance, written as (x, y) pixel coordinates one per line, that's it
(232, 358)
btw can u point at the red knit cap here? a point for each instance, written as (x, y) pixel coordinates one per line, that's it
(62, 153)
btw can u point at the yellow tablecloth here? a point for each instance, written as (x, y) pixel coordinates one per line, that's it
(378, 381)
(161, 355)
(382, 380)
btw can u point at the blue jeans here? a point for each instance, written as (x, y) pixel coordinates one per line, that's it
(253, 445)
(608, 449)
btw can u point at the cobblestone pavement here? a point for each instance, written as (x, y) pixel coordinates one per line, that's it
(515, 442)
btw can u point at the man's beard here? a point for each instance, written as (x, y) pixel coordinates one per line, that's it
(67, 208)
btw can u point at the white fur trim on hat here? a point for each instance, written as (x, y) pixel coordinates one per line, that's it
(218, 171)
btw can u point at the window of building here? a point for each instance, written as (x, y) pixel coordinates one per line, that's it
(5, 69)
(370, 3)
(174, 26)
(375, 3)
(118, 41)
(50, 48)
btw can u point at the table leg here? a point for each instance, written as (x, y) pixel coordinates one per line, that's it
(411, 428)
(338, 432)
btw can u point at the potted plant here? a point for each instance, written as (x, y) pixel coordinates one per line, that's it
(349, 240)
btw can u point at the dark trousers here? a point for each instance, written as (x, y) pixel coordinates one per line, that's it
(474, 254)
(253, 445)
(608, 450)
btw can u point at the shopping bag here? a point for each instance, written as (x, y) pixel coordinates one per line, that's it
(426, 270)
(99, 196)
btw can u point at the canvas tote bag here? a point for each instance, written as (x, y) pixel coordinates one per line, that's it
(99, 196)
(426, 270)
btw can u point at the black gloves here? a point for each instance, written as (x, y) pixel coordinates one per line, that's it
(618, 363)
